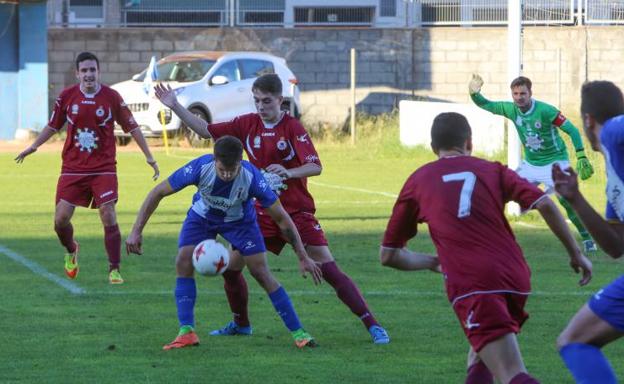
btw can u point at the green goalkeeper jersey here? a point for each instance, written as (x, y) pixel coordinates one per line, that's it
(538, 129)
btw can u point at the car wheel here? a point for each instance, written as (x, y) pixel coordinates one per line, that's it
(122, 140)
(191, 137)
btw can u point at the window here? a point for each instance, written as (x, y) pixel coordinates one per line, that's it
(229, 70)
(387, 8)
(251, 68)
(328, 16)
(86, 10)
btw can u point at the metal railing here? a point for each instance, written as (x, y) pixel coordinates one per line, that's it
(604, 12)
(492, 12)
(320, 13)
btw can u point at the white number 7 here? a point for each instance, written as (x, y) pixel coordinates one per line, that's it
(465, 196)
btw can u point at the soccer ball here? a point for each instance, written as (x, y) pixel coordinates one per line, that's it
(210, 258)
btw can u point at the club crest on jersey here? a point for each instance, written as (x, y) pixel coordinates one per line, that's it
(538, 125)
(74, 109)
(257, 141)
(99, 112)
(86, 140)
(281, 144)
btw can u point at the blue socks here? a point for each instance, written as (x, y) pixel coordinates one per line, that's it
(185, 294)
(283, 306)
(587, 364)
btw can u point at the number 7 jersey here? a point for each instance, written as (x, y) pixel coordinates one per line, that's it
(462, 199)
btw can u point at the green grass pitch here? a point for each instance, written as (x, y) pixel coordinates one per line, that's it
(114, 334)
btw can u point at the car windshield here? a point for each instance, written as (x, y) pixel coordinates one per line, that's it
(182, 71)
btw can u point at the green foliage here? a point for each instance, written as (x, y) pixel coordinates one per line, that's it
(115, 334)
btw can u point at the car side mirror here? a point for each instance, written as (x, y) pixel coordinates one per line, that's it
(219, 80)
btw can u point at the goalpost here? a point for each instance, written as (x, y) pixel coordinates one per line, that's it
(514, 69)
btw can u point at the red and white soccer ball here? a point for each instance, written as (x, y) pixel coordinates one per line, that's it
(210, 258)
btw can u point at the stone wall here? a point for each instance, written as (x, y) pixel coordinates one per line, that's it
(392, 64)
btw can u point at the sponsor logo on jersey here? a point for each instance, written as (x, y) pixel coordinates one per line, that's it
(217, 202)
(74, 109)
(281, 144)
(469, 324)
(90, 102)
(86, 140)
(303, 138)
(311, 158)
(268, 133)
(107, 193)
(99, 112)
(257, 141)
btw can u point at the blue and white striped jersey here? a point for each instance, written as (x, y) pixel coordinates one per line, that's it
(612, 142)
(220, 201)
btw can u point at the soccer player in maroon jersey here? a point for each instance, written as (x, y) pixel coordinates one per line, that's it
(278, 144)
(462, 199)
(89, 172)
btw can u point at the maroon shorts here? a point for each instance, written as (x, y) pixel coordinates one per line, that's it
(489, 316)
(87, 190)
(309, 229)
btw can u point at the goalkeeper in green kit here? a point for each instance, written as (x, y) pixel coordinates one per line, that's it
(538, 126)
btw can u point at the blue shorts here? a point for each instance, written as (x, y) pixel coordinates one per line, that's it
(244, 236)
(608, 303)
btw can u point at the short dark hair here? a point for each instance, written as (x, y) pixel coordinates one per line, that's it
(449, 130)
(520, 81)
(269, 83)
(83, 56)
(602, 100)
(228, 150)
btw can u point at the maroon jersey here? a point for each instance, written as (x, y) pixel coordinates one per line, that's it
(462, 200)
(287, 144)
(90, 144)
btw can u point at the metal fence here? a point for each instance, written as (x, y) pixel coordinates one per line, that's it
(322, 13)
(493, 12)
(604, 11)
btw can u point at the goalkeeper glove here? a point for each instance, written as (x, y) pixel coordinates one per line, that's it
(583, 166)
(475, 84)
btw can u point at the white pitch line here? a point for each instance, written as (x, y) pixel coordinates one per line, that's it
(320, 293)
(39, 270)
(387, 194)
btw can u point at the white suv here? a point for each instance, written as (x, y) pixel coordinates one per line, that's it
(216, 86)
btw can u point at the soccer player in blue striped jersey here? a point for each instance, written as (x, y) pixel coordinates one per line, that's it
(601, 320)
(224, 205)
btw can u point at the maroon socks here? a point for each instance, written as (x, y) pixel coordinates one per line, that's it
(112, 242)
(237, 295)
(348, 292)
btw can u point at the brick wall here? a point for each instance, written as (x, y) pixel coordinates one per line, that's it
(392, 64)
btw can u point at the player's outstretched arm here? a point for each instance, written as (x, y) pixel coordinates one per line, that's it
(42, 138)
(135, 238)
(138, 137)
(168, 97)
(286, 225)
(305, 170)
(610, 237)
(559, 227)
(405, 260)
